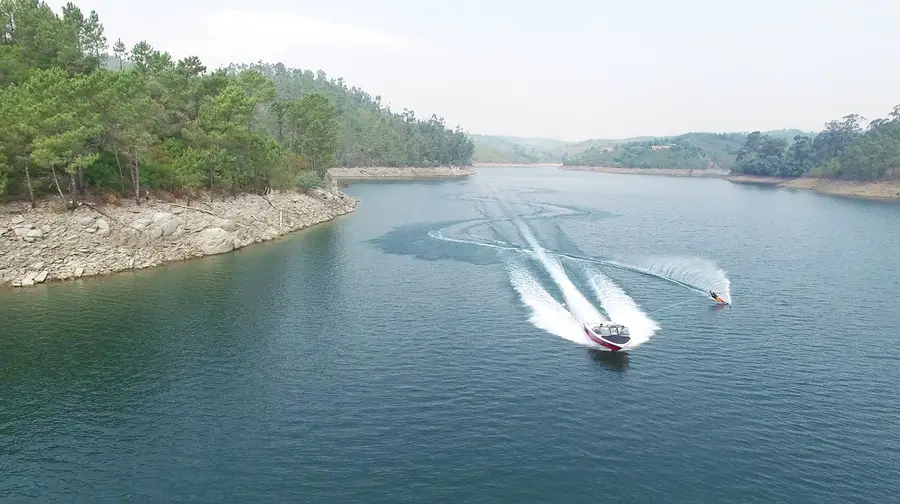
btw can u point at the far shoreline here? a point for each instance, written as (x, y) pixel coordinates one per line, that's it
(514, 165)
(885, 190)
(665, 172)
(398, 173)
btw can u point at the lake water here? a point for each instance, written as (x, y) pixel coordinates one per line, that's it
(418, 350)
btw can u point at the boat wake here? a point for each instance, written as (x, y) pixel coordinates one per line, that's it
(547, 313)
(701, 275)
(578, 305)
(693, 273)
(503, 227)
(622, 308)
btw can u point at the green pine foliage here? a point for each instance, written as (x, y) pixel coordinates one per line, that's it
(76, 122)
(842, 151)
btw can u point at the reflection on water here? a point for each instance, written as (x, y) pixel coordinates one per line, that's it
(613, 361)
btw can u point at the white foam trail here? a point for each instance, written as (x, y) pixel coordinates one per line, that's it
(575, 300)
(438, 235)
(701, 274)
(621, 307)
(546, 313)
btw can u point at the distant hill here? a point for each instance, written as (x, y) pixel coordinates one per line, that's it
(694, 150)
(511, 149)
(505, 149)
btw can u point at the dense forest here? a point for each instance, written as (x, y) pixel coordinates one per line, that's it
(842, 151)
(75, 125)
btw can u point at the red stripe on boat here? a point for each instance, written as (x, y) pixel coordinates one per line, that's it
(593, 338)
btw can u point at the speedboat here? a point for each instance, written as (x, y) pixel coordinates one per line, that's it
(609, 335)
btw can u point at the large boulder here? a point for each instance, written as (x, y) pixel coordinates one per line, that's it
(102, 227)
(33, 234)
(170, 226)
(164, 224)
(215, 241)
(225, 224)
(141, 223)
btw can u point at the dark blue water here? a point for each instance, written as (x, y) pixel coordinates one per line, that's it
(378, 358)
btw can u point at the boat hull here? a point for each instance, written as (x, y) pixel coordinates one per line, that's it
(606, 345)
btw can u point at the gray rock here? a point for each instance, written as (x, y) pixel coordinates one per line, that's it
(141, 223)
(225, 224)
(3, 231)
(27, 283)
(215, 241)
(155, 232)
(79, 271)
(18, 219)
(30, 276)
(162, 217)
(170, 226)
(37, 266)
(102, 227)
(34, 233)
(41, 276)
(45, 229)
(86, 221)
(21, 231)
(90, 230)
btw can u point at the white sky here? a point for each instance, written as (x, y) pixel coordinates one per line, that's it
(567, 69)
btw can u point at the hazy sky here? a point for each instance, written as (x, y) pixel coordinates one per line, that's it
(568, 69)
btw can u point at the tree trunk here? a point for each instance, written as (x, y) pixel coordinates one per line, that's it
(136, 178)
(81, 181)
(119, 164)
(30, 189)
(137, 181)
(210, 185)
(73, 189)
(58, 189)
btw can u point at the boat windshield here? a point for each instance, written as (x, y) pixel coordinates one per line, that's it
(618, 334)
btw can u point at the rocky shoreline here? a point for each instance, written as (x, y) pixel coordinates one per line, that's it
(668, 172)
(50, 243)
(406, 172)
(884, 190)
